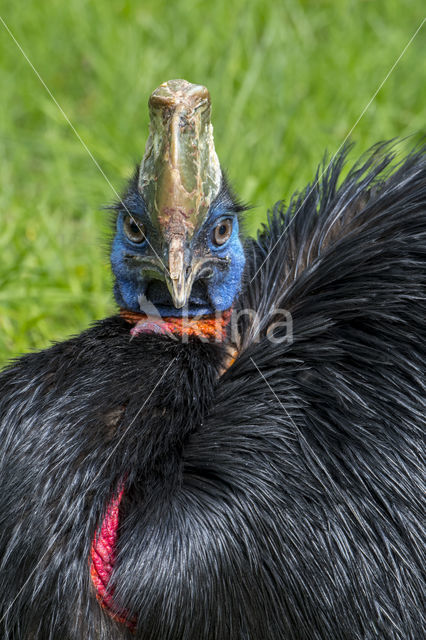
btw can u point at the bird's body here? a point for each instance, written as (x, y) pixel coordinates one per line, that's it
(274, 495)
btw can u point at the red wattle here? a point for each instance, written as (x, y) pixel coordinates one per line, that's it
(102, 559)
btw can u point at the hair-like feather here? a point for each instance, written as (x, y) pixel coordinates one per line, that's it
(283, 500)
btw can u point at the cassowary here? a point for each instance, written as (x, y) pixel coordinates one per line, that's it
(236, 455)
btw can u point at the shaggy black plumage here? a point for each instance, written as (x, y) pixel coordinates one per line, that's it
(280, 501)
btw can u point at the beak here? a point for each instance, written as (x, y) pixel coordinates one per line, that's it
(180, 277)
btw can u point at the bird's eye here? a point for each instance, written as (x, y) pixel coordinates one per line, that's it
(134, 231)
(222, 232)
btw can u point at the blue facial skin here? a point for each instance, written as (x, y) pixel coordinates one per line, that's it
(132, 284)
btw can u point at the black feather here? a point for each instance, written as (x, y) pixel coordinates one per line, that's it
(280, 501)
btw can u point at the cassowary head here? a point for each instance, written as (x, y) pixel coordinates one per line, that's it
(177, 244)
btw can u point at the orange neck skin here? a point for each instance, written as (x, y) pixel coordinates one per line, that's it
(211, 327)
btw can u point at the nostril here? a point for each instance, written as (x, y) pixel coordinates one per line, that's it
(205, 273)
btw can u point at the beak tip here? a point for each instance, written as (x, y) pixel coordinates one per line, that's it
(179, 302)
(179, 286)
(178, 291)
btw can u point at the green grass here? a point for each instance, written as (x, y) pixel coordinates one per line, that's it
(288, 80)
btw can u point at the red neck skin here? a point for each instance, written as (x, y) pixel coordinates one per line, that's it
(102, 560)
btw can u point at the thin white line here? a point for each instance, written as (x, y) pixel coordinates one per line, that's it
(137, 414)
(346, 137)
(76, 133)
(298, 431)
(275, 395)
(91, 484)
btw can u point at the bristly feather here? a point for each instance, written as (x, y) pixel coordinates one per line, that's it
(290, 509)
(328, 215)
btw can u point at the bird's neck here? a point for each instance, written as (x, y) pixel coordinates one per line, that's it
(211, 327)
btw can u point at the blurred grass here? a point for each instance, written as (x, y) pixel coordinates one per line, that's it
(288, 80)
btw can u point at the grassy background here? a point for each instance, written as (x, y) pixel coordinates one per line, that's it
(288, 80)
